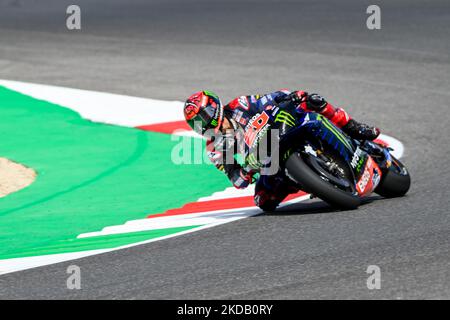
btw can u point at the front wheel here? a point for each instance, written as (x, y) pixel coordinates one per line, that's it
(395, 181)
(312, 182)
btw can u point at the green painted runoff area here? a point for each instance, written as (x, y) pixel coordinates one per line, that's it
(90, 175)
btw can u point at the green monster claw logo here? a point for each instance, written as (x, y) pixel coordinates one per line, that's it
(285, 117)
(214, 122)
(252, 161)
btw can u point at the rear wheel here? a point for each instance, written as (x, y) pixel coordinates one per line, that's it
(395, 181)
(324, 176)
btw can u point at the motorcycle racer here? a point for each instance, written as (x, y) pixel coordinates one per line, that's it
(204, 112)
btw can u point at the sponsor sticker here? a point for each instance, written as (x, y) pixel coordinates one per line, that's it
(243, 101)
(362, 184)
(357, 159)
(256, 128)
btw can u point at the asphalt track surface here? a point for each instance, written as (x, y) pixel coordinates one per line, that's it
(397, 78)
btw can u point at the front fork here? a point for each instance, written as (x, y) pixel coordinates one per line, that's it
(375, 150)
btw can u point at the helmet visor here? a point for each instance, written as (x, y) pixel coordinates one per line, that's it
(203, 119)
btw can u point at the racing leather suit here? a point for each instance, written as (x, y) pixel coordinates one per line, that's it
(270, 190)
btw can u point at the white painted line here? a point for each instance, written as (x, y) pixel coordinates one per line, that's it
(216, 217)
(230, 192)
(169, 222)
(20, 264)
(132, 112)
(103, 107)
(122, 110)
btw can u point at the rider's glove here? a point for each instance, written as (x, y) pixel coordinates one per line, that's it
(241, 178)
(298, 96)
(316, 102)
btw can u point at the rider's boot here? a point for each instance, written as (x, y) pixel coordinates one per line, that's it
(360, 131)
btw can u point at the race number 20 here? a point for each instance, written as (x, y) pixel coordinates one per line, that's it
(254, 127)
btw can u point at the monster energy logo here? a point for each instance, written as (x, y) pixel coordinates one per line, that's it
(285, 117)
(335, 131)
(252, 161)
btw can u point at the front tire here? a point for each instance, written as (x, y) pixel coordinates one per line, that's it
(311, 182)
(395, 181)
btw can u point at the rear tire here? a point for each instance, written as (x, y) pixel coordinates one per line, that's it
(311, 182)
(394, 183)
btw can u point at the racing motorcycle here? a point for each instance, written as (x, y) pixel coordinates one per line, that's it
(325, 162)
